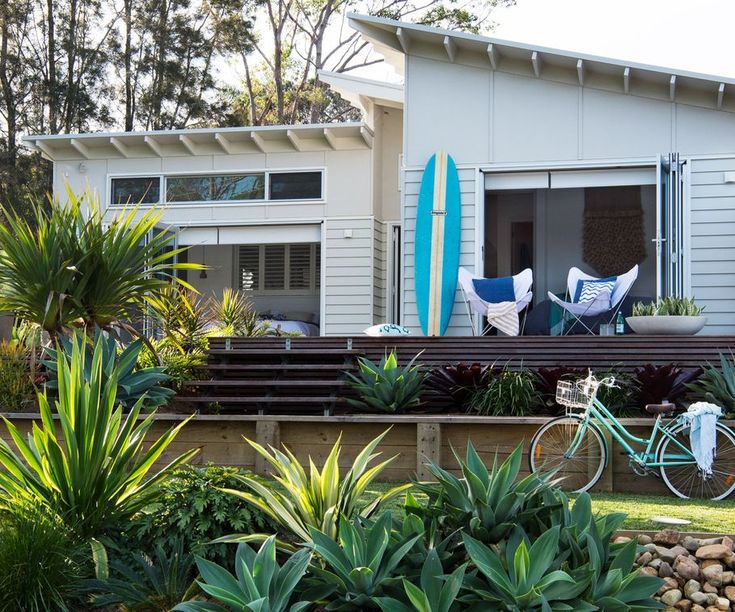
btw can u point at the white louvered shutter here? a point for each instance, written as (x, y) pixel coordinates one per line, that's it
(249, 267)
(299, 266)
(274, 269)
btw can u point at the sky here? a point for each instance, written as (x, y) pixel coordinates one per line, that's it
(695, 35)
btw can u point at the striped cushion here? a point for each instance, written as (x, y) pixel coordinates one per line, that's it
(588, 290)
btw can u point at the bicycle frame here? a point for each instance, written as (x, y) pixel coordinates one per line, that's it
(646, 458)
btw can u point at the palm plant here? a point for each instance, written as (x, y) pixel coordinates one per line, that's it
(182, 318)
(386, 387)
(235, 316)
(259, 582)
(96, 467)
(68, 267)
(318, 501)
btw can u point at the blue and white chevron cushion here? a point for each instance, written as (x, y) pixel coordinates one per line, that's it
(588, 290)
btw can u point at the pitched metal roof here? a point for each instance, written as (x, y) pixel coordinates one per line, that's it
(396, 39)
(213, 141)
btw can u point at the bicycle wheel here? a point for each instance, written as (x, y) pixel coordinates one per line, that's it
(548, 446)
(687, 481)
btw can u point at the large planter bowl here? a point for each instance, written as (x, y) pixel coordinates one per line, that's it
(667, 325)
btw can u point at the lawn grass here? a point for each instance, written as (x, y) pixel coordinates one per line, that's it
(705, 516)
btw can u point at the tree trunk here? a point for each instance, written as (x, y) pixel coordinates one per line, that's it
(7, 91)
(127, 60)
(51, 85)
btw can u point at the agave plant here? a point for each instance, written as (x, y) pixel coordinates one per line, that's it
(359, 566)
(317, 501)
(133, 384)
(668, 306)
(718, 385)
(437, 592)
(235, 315)
(153, 583)
(95, 467)
(487, 504)
(259, 582)
(70, 267)
(386, 387)
(523, 578)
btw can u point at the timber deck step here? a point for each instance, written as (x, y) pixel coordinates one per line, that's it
(286, 352)
(223, 399)
(296, 367)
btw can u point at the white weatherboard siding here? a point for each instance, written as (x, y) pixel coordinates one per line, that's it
(380, 260)
(484, 117)
(712, 242)
(412, 183)
(349, 275)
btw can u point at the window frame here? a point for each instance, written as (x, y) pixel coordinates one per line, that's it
(163, 176)
(314, 272)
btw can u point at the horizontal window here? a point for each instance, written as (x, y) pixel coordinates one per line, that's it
(279, 267)
(138, 190)
(230, 187)
(296, 185)
(199, 188)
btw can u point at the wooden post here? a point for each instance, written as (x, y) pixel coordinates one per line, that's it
(267, 433)
(606, 481)
(428, 446)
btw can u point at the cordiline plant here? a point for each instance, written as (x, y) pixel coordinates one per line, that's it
(95, 467)
(318, 500)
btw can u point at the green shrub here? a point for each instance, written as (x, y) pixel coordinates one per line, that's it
(386, 387)
(16, 377)
(717, 385)
(508, 393)
(192, 508)
(622, 399)
(177, 365)
(259, 582)
(182, 318)
(133, 383)
(302, 502)
(547, 380)
(92, 466)
(41, 562)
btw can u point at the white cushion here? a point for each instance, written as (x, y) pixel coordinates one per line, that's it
(386, 329)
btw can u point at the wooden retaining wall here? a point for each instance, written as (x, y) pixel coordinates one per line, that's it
(411, 438)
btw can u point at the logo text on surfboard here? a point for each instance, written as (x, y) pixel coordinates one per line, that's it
(439, 213)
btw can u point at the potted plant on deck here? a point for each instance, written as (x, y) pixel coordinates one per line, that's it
(668, 316)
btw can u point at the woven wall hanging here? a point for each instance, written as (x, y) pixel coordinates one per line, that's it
(614, 234)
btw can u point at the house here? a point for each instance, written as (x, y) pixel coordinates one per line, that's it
(564, 159)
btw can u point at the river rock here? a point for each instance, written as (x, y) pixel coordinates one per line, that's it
(671, 597)
(687, 568)
(644, 539)
(692, 586)
(645, 558)
(683, 605)
(723, 603)
(698, 598)
(667, 537)
(727, 541)
(668, 585)
(713, 575)
(664, 570)
(713, 551)
(710, 588)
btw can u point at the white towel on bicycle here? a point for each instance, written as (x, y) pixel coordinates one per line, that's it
(504, 317)
(702, 420)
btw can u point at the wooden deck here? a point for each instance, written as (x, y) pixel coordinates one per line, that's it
(306, 375)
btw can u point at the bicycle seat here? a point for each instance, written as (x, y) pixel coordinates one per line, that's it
(664, 408)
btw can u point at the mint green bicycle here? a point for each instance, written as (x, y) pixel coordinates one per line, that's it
(576, 448)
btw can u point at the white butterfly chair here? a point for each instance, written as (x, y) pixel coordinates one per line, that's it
(604, 302)
(522, 283)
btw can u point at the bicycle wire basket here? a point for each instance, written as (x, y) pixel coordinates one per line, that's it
(578, 394)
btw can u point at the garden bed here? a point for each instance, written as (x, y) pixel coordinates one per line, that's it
(412, 438)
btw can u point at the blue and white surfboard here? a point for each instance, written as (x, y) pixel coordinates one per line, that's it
(438, 225)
